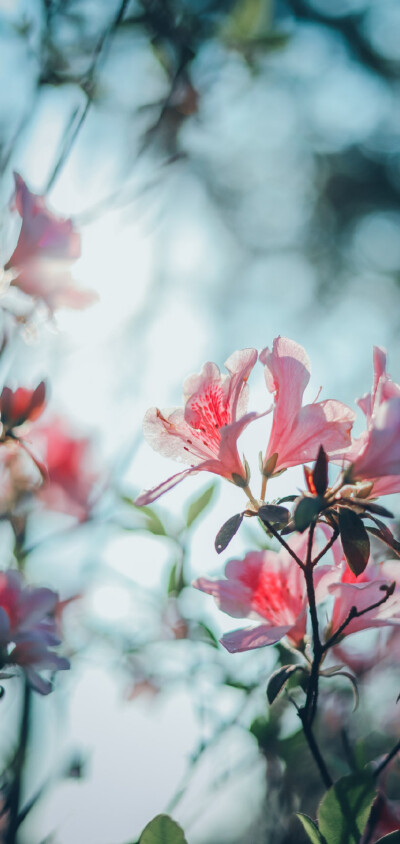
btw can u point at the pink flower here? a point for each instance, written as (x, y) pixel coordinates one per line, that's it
(53, 284)
(270, 588)
(28, 629)
(384, 819)
(47, 244)
(70, 474)
(42, 233)
(362, 592)
(21, 405)
(375, 455)
(204, 433)
(297, 431)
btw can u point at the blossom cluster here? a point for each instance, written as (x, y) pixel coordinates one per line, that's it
(43, 463)
(267, 586)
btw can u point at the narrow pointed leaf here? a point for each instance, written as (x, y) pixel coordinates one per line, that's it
(371, 507)
(344, 810)
(355, 540)
(320, 472)
(162, 830)
(199, 504)
(278, 680)
(227, 531)
(311, 829)
(306, 512)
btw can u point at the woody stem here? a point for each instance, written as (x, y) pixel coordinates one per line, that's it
(308, 711)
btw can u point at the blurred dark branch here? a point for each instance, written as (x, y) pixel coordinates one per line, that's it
(87, 83)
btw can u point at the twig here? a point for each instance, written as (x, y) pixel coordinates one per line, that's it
(284, 544)
(355, 613)
(76, 121)
(381, 767)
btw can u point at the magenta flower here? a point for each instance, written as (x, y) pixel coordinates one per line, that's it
(299, 431)
(375, 456)
(28, 629)
(362, 592)
(270, 588)
(204, 433)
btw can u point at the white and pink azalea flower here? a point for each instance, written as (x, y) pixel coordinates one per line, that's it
(375, 455)
(28, 629)
(205, 432)
(298, 431)
(269, 588)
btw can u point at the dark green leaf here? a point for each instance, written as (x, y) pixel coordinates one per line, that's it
(286, 498)
(392, 838)
(279, 679)
(199, 504)
(274, 514)
(227, 531)
(383, 533)
(320, 472)
(355, 540)
(306, 512)
(311, 829)
(162, 830)
(373, 508)
(344, 810)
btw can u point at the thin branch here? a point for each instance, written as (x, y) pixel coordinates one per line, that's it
(326, 548)
(76, 121)
(284, 544)
(381, 767)
(355, 613)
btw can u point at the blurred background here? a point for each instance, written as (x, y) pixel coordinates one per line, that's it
(233, 167)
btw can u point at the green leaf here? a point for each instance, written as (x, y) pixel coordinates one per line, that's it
(392, 838)
(344, 810)
(176, 580)
(152, 522)
(248, 19)
(199, 504)
(311, 829)
(162, 830)
(227, 531)
(279, 679)
(355, 540)
(306, 512)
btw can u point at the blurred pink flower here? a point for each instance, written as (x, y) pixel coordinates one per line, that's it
(375, 456)
(385, 818)
(204, 433)
(269, 587)
(70, 471)
(19, 406)
(28, 629)
(42, 234)
(299, 431)
(47, 244)
(53, 284)
(362, 592)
